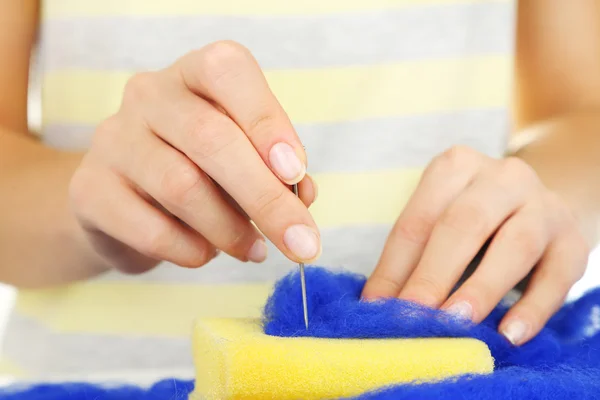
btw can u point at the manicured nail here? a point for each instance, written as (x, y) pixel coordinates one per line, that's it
(515, 331)
(258, 251)
(462, 309)
(302, 241)
(286, 163)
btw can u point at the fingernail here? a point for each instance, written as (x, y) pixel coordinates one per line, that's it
(302, 241)
(370, 299)
(258, 251)
(286, 163)
(515, 331)
(461, 309)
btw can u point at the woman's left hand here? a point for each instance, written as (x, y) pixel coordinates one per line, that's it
(465, 198)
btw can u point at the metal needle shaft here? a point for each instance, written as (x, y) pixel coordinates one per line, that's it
(304, 303)
(303, 280)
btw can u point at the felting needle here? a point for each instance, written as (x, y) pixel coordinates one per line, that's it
(302, 279)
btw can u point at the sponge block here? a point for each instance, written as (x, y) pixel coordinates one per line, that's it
(235, 359)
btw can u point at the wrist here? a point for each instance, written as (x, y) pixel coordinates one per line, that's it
(37, 216)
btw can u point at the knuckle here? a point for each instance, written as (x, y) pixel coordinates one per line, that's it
(457, 157)
(414, 228)
(564, 279)
(534, 312)
(81, 189)
(154, 243)
(467, 218)
(220, 58)
(110, 125)
(391, 284)
(578, 274)
(140, 86)
(223, 51)
(515, 168)
(204, 256)
(262, 123)
(554, 202)
(209, 145)
(580, 250)
(429, 289)
(561, 215)
(236, 242)
(553, 278)
(204, 136)
(106, 133)
(180, 184)
(528, 242)
(483, 292)
(268, 201)
(457, 160)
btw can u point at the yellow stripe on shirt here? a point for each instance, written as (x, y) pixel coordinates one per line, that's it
(9, 369)
(79, 8)
(315, 95)
(139, 308)
(364, 198)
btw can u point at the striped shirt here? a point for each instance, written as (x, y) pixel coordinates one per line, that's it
(375, 89)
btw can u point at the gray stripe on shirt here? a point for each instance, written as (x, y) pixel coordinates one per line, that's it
(45, 353)
(383, 36)
(372, 144)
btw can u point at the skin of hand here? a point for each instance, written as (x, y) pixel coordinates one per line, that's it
(196, 152)
(463, 199)
(538, 205)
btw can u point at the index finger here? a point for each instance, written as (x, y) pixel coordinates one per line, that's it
(227, 74)
(217, 145)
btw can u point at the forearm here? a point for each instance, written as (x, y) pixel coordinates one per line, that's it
(40, 242)
(565, 152)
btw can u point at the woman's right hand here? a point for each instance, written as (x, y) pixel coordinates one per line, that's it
(196, 152)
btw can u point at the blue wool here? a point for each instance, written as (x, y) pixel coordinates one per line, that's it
(562, 361)
(171, 389)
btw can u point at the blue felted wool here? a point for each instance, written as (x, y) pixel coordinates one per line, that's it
(171, 389)
(562, 361)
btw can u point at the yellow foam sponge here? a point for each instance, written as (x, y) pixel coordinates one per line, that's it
(235, 359)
